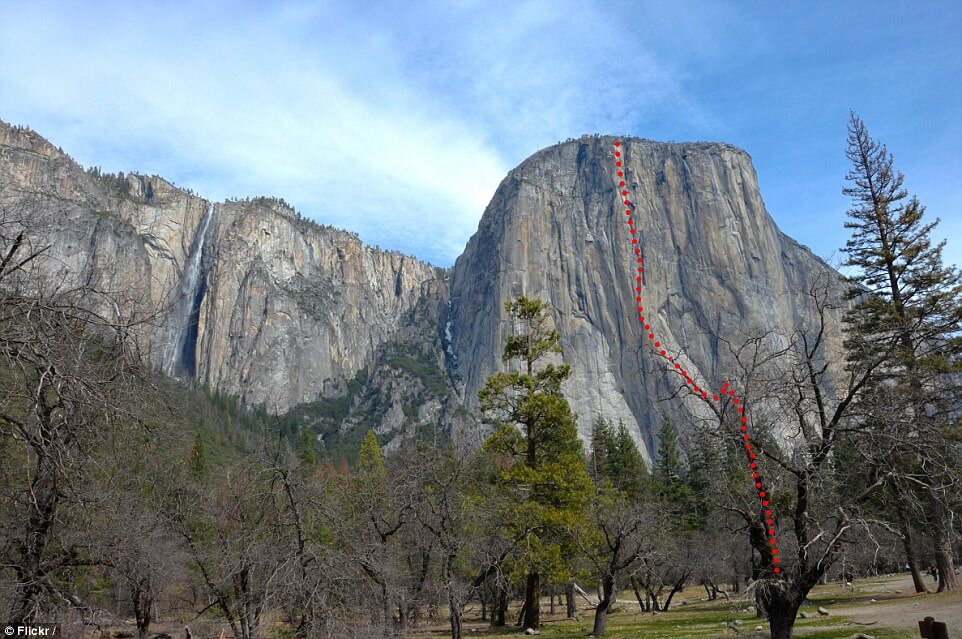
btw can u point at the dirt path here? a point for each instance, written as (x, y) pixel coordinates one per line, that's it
(901, 609)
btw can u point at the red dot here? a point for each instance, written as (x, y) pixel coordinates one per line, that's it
(753, 465)
(637, 289)
(677, 365)
(736, 401)
(744, 420)
(745, 437)
(657, 344)
(637, 251)
(634, 241)
(651, 336)
(647, 327)
(697, 390)
(624, 192)
(617, 154)
(617, 143)
(777, 570)
(714, 397)
(704, 394)
(622, 183)
(621, 174)
(768, 512)
(617, 163)
(663, 353)
(754, 475)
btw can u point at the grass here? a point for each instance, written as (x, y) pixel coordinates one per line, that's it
(722, 618)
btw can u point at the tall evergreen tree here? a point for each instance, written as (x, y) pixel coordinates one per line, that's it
(908, 310)
(542, 466)
(669, 469)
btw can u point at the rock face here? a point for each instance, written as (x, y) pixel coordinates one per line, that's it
(279, 311)
(715, 264)
(256, 302)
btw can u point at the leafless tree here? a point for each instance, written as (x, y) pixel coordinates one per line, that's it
(68, 374)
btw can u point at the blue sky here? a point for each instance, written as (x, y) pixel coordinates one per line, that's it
(398, 120)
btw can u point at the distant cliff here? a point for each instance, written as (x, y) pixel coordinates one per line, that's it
(716, 264)
(253, 301)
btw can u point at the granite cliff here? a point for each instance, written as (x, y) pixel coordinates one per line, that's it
(253, 301)
(716, 267)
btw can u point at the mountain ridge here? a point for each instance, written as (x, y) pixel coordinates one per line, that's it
(292, 311)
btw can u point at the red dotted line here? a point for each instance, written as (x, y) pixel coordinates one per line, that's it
(675, 367)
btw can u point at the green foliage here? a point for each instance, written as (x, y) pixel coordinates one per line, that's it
(615, 458)
(541, 483)
(307, 449)
(420, 365)
(669, 470)
(913, 307)
(198, 462)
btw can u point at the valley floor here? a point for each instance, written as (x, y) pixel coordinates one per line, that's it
(884, 608)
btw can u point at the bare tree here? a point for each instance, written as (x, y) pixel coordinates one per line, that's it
(68, 371)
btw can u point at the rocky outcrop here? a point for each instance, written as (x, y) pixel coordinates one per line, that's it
(716, 267)
(256, 302)
(280, 310)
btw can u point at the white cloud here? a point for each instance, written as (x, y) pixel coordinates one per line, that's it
(245, 110)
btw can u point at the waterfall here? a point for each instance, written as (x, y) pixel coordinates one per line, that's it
(183, 309)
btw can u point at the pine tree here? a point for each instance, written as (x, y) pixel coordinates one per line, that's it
(307, 449)
(668, 468)
(541, 474)
(615, 458)
(602, 444)
(907, 313)
(198, 462)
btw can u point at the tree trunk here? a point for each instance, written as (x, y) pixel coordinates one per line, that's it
(642, 601)
(676, 588)
(913, 563)
(910, 556)
(942, 541)
(781, 621)
(570, 608)
(501, 606)
(143, 608)
(532, 602)
(601, 611)
(457, 621)
(781, 605)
